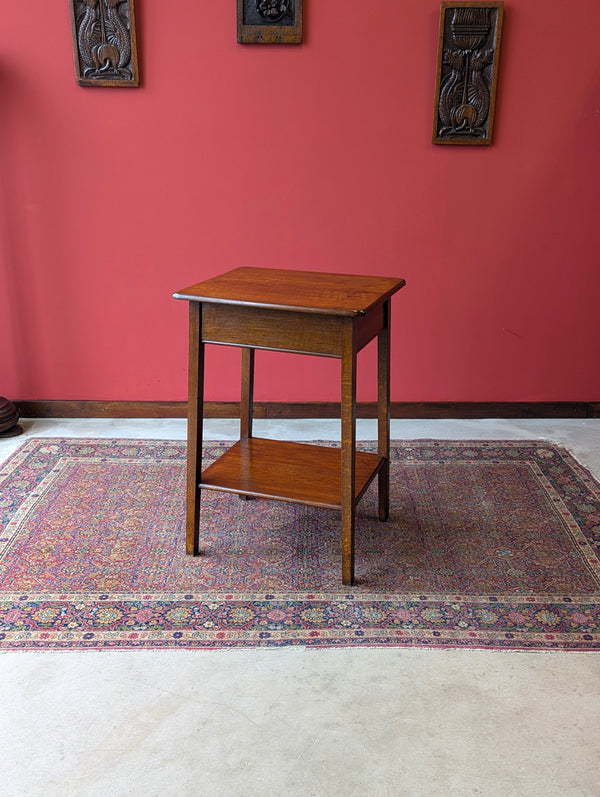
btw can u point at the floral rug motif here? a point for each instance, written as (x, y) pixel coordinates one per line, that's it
(490, 544)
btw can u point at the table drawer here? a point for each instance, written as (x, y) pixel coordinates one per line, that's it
(260, 328)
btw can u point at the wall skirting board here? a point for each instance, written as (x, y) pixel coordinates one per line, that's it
(268, 409)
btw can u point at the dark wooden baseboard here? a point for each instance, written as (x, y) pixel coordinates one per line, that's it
(329, 409)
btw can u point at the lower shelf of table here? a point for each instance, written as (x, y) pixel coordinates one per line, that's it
(284, 471)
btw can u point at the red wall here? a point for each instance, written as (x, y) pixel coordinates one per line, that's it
(315, 156)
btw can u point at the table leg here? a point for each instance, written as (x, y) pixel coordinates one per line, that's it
(247, 399)
(383, 413)
(194, 428)
(348, 450)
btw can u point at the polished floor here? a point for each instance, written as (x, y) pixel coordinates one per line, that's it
(299, 721)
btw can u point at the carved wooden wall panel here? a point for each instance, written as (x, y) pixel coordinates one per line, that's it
(269, 21)
(467, 72)
(104, 42)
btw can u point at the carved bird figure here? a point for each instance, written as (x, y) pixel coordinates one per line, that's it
(103, 38)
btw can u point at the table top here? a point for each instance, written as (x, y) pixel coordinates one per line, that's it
(304, 291)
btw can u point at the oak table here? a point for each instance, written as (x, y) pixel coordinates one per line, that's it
(304, 312)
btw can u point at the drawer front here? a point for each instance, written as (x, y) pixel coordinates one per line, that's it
(303, 333)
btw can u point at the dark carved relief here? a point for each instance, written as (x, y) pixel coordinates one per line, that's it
(273, 10)
(104, 42)
(467, 72)
(269, 21)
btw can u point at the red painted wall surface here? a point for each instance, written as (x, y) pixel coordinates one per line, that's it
(315, 156)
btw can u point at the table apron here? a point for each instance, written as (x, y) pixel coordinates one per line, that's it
(284, 330)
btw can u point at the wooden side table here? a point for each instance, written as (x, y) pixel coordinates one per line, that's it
(332, 315)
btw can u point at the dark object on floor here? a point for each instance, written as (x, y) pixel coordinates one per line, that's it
(9, 415)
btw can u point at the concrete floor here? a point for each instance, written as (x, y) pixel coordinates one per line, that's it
(302, 721)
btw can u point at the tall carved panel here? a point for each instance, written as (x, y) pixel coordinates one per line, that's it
(467, 72)
(269, 21)
(104, 42)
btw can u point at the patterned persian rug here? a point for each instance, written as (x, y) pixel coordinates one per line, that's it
(489, 545)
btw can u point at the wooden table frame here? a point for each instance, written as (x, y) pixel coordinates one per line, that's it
(329, 315)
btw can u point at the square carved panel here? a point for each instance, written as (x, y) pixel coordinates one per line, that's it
(269, 21)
